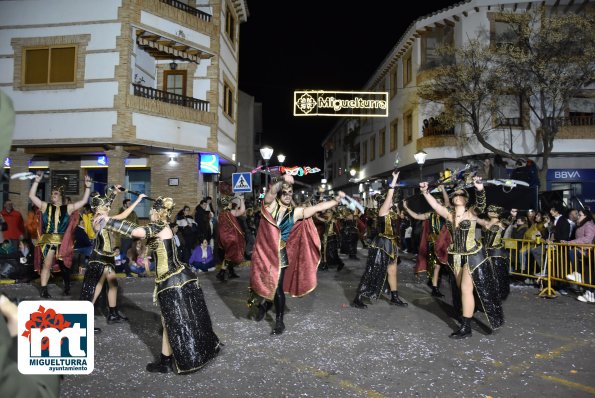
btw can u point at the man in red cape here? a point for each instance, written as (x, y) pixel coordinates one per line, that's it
(287, 243)
(231, 238)
(55, 243)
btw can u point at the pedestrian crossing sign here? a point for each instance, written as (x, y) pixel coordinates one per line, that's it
(241, 182)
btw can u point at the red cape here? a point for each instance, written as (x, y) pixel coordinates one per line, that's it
(421, 263)
(231, 237)
(303, 253)
(66, 247)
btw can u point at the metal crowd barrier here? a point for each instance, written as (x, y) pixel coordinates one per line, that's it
(552, 262)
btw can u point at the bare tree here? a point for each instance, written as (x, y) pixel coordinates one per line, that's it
(551, 61)
(546, 61)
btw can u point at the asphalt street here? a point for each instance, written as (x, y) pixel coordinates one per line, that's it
(546, 348)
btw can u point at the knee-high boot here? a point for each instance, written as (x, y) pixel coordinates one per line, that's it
(65, 277)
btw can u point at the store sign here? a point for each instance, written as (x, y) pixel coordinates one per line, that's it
(340, 103)
(209, 163)
(558, 175)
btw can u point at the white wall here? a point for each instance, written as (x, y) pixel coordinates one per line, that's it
(226, 146)
(80, 125)
(56, 11)
(175, 132)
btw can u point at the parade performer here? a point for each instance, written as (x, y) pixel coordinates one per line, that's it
(382, 256)
(349, 234)
(286, 243)
(330, 242)
(231, 237)
(188, 337)
(57, 222)
(102, 266)
(493, 232)
(468, 259)
(428, 260)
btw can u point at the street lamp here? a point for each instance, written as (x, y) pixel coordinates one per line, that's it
(266, 152)
(281, 158)
(352, 172)
(420, 158)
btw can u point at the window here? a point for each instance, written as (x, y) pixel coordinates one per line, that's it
(408, 128)
(393, 135)
(393, 82)
(230, 24)
(175, 82)
(50, 62)
(407, 69)
(364, 152)
(513, 111)
(381, 142)
(228, 99)
(372, 148)
(433, 40)
(50, 65)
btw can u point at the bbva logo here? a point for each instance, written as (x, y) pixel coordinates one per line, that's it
(566, 174)
(56, 337)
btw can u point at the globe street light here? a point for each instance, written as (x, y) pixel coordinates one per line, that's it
(266, 152)
(281, 158)
(420, 158)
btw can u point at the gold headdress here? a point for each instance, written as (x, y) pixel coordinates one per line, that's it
(163, 206)
(105, 202)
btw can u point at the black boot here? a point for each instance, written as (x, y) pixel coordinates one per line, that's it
(464, 331)
(222, 275)
(113, 316)
(122, 316)
(279, 325)
(436, 292)
(396, 300)
(323, 267)
(44, 292)
(232, 273)
(96, 330)
(262, 310)
(340, 266)
(358, 303)
(163, 365)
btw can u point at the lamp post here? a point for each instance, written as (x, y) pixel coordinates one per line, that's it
(281, 159)
(266, 152)
(420, 158)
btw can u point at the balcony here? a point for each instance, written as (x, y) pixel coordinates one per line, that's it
(170, 98)
(433, 131)
(576, 126)
(186, 8)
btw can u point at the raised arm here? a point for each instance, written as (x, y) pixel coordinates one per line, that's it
(84, 200)
(480, 197)
(272, 192)
(445, 197)
(241, 211)
(388, 201)
(322, 206)
(130, 208)
(438, 208)
(414, 215)
(34, 199)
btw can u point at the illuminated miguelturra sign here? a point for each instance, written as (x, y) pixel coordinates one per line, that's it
(340, 103)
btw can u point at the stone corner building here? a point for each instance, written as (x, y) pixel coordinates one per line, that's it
(127, 91)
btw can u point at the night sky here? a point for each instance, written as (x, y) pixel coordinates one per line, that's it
(329, 45)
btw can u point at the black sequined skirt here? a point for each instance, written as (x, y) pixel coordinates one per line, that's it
(93, 273)
(487, 295)
(500, 263)
(187, 321)
(381, 253)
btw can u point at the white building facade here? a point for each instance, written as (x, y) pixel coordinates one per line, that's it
(370, 146)
(128, 91)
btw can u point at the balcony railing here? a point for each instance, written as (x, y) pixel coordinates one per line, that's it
(190, 10)
(509, 121)
(585, 120)
(430, 131)
(170, 98)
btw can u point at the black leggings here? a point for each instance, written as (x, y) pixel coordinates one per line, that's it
(279, 299)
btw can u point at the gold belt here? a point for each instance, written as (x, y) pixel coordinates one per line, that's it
(50, 239)
(282, 244)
